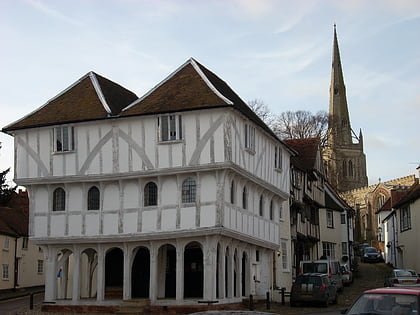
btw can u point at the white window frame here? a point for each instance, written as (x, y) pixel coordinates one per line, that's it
(344, 248)
(343, 218)
(40, 266)
(5, 272)
(25, 243)
(170, 128)
(284, 255)
(330, 218)
(250, 137)
(328, 250)
(278, 158)
(6, 243)
(64, 139)
(405, 218)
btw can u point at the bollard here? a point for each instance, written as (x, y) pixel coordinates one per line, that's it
(267, 300)
(282, 296)
(31, 301)
(251, 302)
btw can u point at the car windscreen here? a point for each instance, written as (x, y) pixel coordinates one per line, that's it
(370, 250)
(381, 303)
(315, 268)
(403, 273)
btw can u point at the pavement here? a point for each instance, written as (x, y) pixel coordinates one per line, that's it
(9, 294)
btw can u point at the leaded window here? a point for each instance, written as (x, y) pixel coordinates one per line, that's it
(188, 190)
(59, 199)
(150, 194)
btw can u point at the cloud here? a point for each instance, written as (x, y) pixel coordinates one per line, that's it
(42, 7)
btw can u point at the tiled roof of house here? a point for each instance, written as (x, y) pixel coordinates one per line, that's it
(412, 195)
(307, 149)
(192, 86)
(14, 222)
(396, 195)
(92, 97)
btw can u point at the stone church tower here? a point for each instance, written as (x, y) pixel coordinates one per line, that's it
(345, 161)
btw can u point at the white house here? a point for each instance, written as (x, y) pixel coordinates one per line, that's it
(178, 196)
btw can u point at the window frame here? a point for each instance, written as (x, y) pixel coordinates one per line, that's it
(284, 255)
(343, 218)
(91, 202)
(245, 198)
(278, 158)
(150, 194)
(57, 203)
(405, 218)
(5, 272)
(25, 241)
(64, 140)
(173, 130)
(189, 190)
(6, 243)
(232, 192)
(330, 219)
(40, 266)
(249, 138)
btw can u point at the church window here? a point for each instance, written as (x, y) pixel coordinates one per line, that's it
(59, 199)
(249, 137)
(351, 169)
(64, 139)
(93, 198)
(245, 198)
(335, 90)
(188, 190)
(344, 168)
(170, 127)
(150, 194)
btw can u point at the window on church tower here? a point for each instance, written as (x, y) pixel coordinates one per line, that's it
(351, 169)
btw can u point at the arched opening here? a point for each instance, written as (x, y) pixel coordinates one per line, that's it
(227, 269)
(88, 273)
(65, 264)
(114, 274)
(167, 271)
(193, 271)
(235, 274)
(245, 274)
(140, 274)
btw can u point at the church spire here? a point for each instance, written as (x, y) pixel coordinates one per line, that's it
(339, 121)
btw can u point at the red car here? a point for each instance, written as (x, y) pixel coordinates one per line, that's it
(387, 301)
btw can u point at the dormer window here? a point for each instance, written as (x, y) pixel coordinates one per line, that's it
(170, 127)
(64, 139)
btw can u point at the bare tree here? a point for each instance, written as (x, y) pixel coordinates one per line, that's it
(301, 124)
(262, 111)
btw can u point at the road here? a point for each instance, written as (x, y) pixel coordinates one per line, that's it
(369, 276)
(15, 305)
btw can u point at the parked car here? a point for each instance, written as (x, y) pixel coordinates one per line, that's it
(346, 274)
(361, 248)
(330, 267)
(313, 287)
(402, 277)
(387, 301)
(371, 254)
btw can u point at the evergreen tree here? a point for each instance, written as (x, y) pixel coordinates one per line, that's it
(6, 191)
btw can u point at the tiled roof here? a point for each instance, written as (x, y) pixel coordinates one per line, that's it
(412, 195)
(90, 98)
(14, 222)
(307, 149)
(192, 86)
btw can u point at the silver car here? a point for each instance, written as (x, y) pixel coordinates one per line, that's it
(402, 278)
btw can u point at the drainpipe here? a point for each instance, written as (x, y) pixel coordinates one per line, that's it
(15, 263)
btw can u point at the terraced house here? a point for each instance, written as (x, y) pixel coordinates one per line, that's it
(179, 196)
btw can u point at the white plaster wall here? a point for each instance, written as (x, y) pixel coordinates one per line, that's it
(131, 195)
(75, 202)
(110, 223)
(111, 197)
(41, 226)
(40, 196)
(58, 224)
(170, 188)
(208, 216)
(92, 223)
(75, 225)
(149, 221)
(168, 219)
(130, 222)
(187, 218)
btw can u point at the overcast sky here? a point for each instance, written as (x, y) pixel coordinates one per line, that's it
(277, 51)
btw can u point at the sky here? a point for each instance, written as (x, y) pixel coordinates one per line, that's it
(277, 51)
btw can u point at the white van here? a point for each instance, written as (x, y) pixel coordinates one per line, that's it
(327, 266)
